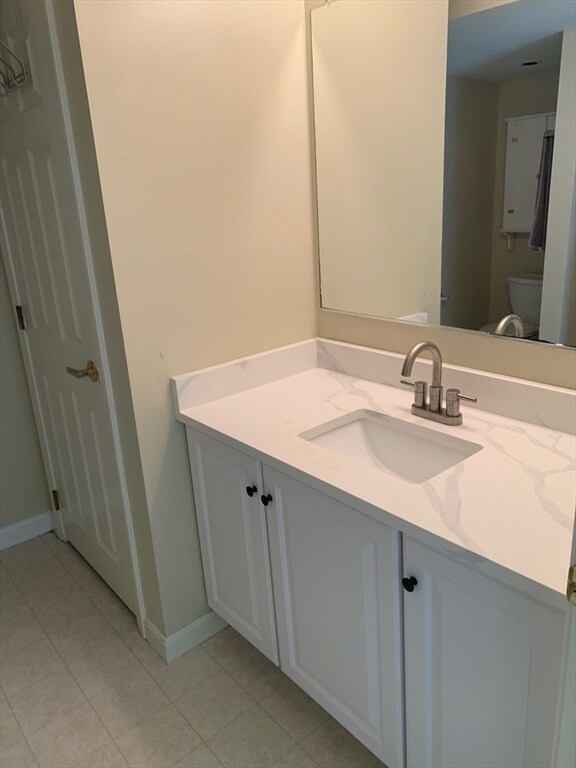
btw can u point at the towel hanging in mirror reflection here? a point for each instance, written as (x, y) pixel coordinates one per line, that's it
(537, 241)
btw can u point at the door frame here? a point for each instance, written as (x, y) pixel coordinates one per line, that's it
(104, 365)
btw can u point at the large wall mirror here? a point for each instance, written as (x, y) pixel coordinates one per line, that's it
(507, 239)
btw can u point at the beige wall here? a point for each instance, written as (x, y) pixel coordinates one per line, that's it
(23, 488)
(199, 112)
(379, 180)
(469, 165)
(530, 95)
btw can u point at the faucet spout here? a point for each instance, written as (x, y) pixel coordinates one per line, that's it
(436, 361)
(433, 408)
(514, 320)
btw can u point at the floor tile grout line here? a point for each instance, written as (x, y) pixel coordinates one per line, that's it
(118, 636)
(132, 652)
(53, 721)
(250, 708)
(257, 704)
(94, 751)
(62, 714)
(40, 678)
(22, 734)
(27, 604)
(49, 638)
(95, 651)
(103, 724)
(36, 538)
(203, 645)
(171, 704)
(67, 665)
(202, 744)
(80, 586)
(297, 742)
(172, 701)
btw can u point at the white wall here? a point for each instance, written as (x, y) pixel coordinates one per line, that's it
(377, 68)
(199, 112)
(23, 488)
(560, 259)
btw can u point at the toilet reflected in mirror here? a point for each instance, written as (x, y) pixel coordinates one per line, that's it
(525, 295)
(509, 95)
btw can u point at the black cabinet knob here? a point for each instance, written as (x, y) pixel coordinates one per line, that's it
(409, 583)
(266, 499)
(251, 490)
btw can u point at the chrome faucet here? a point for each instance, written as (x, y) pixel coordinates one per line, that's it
(433, 409)
(514, 320)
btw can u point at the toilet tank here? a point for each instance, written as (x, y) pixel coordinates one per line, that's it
(525, 292)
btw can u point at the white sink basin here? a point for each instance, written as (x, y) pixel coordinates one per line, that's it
(400, 448)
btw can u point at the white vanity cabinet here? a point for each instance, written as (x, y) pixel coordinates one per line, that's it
(483, 664)
(457, 670)
(337, 595)
(233, 539)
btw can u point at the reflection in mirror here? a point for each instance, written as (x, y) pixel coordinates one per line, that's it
(508, 213)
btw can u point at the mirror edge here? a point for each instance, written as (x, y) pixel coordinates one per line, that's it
(544, 363)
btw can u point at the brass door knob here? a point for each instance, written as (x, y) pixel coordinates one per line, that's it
(90, 371)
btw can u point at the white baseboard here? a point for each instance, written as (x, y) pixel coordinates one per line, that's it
(173, 646)
(25, 529)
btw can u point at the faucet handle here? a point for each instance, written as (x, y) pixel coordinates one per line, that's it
(453, 398)
(419, 391)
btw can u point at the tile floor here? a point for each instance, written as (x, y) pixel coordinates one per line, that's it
(81, 688)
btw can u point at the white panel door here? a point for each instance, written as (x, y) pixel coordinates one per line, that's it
(523, 151)
(483, 665)
(234, 539)
(50, 276)
(336, 589)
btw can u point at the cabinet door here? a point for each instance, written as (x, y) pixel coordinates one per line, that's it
(233, 539)
(482, 669)
(335, 574)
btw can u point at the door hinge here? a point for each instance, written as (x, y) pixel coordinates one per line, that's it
(20, 315)
(56, 500)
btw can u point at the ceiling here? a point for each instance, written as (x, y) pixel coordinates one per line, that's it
(492, 44)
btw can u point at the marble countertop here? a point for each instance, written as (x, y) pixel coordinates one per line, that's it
(511, 503)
